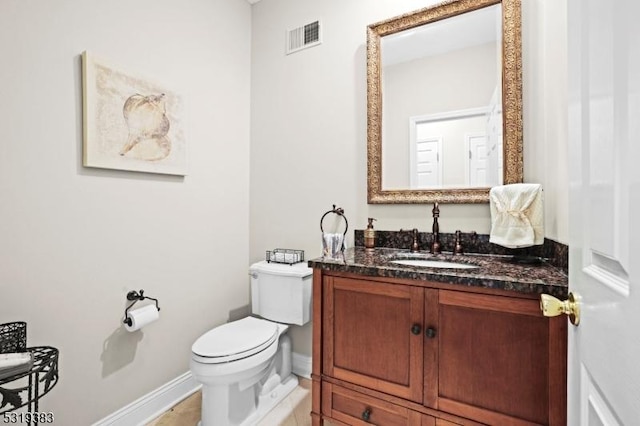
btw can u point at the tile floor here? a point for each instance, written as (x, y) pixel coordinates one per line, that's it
(292, 411)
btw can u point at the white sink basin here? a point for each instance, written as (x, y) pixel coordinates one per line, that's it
(434, 264)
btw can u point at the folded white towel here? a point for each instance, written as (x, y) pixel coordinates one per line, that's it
(15, 359)
(15, 363)
(517, 215)
(333, 245)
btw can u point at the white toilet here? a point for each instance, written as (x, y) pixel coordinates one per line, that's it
(245, 366)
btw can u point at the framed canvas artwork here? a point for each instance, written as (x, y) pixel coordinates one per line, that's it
(129, 122)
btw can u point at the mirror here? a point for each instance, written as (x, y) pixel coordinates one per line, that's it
(444, 103)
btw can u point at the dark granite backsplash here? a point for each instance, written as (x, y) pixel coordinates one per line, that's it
(555, 253)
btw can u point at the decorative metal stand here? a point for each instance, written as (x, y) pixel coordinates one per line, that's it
(26, 388)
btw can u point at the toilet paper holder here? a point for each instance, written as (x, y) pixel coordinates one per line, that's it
(136, 297)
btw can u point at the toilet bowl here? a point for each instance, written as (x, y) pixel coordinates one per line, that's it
(244, 366)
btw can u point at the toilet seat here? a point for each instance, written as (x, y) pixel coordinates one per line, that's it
(235, 340)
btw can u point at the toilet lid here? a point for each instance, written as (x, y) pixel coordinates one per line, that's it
(236, 340)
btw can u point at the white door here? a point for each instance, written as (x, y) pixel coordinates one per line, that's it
(477, 169)
(604, 268)
(425, 170)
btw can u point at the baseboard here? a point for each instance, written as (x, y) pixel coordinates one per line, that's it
(148, 407)
(301, 365)
(145, 409)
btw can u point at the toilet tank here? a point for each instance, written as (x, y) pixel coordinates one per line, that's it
(281, 292)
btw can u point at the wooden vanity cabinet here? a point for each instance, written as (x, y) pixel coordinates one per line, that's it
(393, 351)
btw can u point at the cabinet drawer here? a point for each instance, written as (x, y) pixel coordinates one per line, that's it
(354, 408)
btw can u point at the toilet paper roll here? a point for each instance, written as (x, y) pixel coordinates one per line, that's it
(141, 317)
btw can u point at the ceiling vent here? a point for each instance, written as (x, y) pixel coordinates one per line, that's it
(303, 37)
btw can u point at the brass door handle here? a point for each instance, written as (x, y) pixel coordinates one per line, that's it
(552, 307)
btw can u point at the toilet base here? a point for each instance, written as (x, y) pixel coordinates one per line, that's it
(270, 400)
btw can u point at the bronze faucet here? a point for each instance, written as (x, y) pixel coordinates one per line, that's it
(458, 244)
(415, 246)
(435, 245)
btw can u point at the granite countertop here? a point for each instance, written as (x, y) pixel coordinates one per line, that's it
(493, 271)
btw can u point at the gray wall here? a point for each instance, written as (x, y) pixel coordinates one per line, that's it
(74, 240)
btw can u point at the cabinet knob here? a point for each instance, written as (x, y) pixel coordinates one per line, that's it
(416, 329)
(366, 414)
(430, 332)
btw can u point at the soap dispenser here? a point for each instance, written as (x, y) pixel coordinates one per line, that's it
(370, 235)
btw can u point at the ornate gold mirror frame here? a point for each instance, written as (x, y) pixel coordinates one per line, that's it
(511, 100)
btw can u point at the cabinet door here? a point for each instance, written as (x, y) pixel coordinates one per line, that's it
(500, 361)
(373, 335)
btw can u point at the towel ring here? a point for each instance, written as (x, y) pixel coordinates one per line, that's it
(340, 212)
